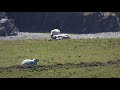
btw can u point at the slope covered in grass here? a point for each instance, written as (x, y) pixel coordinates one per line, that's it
(51, 52)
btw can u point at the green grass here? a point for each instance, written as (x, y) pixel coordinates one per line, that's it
(51, 52)
(110, 71)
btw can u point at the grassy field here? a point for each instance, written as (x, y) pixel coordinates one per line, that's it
(61, 53)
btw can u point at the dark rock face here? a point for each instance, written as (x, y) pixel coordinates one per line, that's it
(7, 26)
(67, 22)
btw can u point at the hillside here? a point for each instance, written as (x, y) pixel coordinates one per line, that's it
(67, 22)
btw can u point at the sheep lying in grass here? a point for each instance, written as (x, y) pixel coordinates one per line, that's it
(61, 36)
(30, 62)
(55, 34)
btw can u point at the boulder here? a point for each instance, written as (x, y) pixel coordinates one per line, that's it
(7, 26)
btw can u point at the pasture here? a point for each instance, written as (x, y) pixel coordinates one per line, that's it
(75, 58)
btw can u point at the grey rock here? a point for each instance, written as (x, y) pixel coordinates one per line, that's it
(7, 26)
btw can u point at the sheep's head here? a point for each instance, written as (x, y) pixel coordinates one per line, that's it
(36, 59)
(53, 36)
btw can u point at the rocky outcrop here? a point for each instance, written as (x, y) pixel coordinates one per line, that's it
(67, 22)
(7, 26)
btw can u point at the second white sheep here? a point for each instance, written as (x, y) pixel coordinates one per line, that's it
(30, 62)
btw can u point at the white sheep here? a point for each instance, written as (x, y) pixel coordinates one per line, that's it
(30, 62)
(65, 36)
(55, 32)
(56, 37)
(61, 36)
